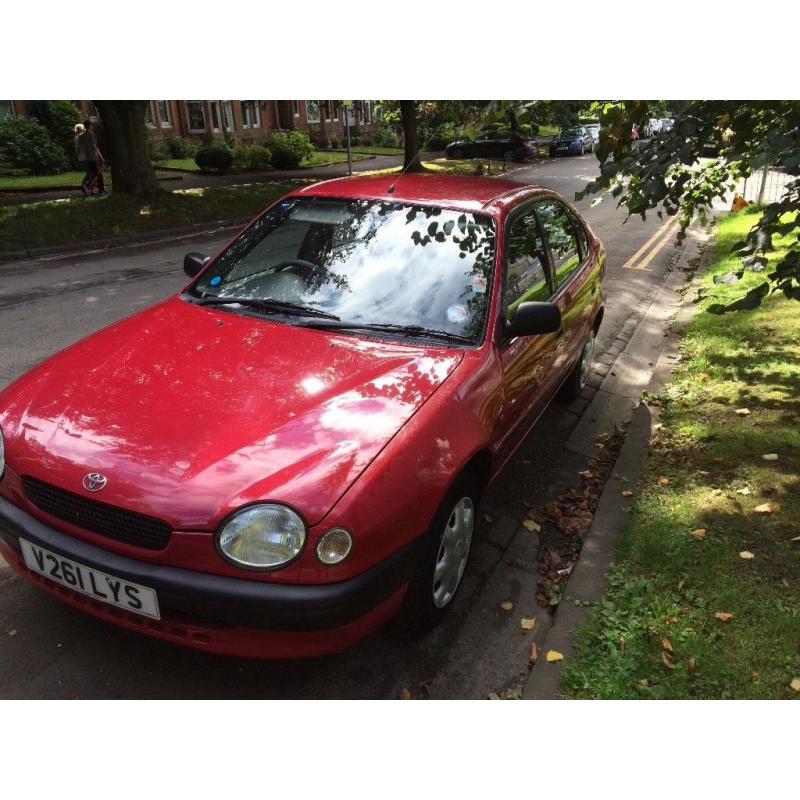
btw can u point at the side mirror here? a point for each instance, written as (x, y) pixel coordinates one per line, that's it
(532, 319)
(193, 263)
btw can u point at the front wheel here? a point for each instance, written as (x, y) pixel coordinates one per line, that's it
(444, 558)
(579, 376)
(457, 153)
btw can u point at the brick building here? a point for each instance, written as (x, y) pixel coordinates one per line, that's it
(246, 120)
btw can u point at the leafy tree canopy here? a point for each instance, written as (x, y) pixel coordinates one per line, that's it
(669, 173)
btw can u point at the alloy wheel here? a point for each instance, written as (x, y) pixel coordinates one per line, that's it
(587, 356)
(453, 551)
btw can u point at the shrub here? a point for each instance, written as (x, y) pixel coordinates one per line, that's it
(333, 143)
(157, 150)
(389, 138)
(252, 157)
(178, 147)
(289, 148)
(60, 118)
(214, 158)
(367, 140)
(27, 145)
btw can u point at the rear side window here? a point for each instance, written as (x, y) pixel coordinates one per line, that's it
(526, 271)
(561, 238)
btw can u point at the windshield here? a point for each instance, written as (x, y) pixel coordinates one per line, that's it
(364, 261)
(573, 132)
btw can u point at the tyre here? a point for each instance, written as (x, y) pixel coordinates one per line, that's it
(444, 557)
(457, 152)
(576, 383)
(583, 148)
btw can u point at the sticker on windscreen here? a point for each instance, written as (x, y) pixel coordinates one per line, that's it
(479, 285)
(215, 281)
(457, 313)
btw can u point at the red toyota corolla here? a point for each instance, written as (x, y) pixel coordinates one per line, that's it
(291, 451)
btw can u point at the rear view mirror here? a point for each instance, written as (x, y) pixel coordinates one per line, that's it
(532, 319)
(193, 263)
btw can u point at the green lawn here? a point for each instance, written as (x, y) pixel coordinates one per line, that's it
(83, 219)
(186, 164)
(548, 130)
(324, 158)
(66, 180)
(712, 525)
(377, 150)
(456, 166)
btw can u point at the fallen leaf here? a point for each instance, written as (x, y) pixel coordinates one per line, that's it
(487, 518)
(723, 616)
(704, 472)
(506, 605)
(691, 664)
(587, 473)
(700, 533)
(554, 655)
(770, 507)
(534, 652)
(745, 491)
(405, 695)
(533, 527)
(493, 696)
(663, 481)
(742, 412)
(527, 624)
(770, 457)
(746, 554)
(644, 682)
(795, 539)
(627, 493)
(667, 659)
(667, 645)
(12, 632)
(795, 684)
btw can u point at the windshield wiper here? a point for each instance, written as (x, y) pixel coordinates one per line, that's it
(408, 330)
(274, 305)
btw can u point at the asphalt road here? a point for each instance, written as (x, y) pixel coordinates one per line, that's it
(51, 651)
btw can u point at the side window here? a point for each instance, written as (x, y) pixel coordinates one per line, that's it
(583, 240)
(526, 275)
(561, 238)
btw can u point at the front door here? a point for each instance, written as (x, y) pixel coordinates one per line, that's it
(526, 360)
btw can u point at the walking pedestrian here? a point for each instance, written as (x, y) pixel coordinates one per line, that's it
(91, 159)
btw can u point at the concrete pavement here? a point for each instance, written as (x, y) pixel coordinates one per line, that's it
(46, 305)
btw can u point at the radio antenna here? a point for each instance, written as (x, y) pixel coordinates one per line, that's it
(416, 156)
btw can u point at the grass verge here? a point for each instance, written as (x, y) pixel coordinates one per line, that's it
(712, 525)
(458, 166)
(66, 181)
(79, 220)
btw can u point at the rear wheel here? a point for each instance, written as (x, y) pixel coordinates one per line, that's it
(444, 559)
(579, 376)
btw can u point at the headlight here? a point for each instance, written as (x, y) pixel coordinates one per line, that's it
(262, 537)
(334, 546)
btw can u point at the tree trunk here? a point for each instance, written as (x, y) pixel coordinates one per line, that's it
(125, 134)
(408, 115)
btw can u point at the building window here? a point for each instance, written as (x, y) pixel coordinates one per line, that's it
(149, 116)
(312, 110)
(296, 108)
(196, 112)
(6, 110)
(251, 114)
(164, 113)
(326, 107)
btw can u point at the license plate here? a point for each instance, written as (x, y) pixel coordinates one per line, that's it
(91, 582)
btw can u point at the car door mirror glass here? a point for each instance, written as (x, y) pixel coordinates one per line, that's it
(534, 319)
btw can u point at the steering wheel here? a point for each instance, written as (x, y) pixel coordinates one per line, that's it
(306, 268)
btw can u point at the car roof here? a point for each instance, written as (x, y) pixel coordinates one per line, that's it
(467, 193)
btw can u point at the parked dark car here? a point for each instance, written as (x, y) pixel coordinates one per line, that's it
(594, 130)
(509, 146)
(572, 142)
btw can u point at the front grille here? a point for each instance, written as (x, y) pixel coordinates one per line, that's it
(115, 523)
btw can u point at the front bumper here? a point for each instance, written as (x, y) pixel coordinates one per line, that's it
(222, 614)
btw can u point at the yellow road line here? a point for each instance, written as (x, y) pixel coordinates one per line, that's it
(659, 245)
(629, 264)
